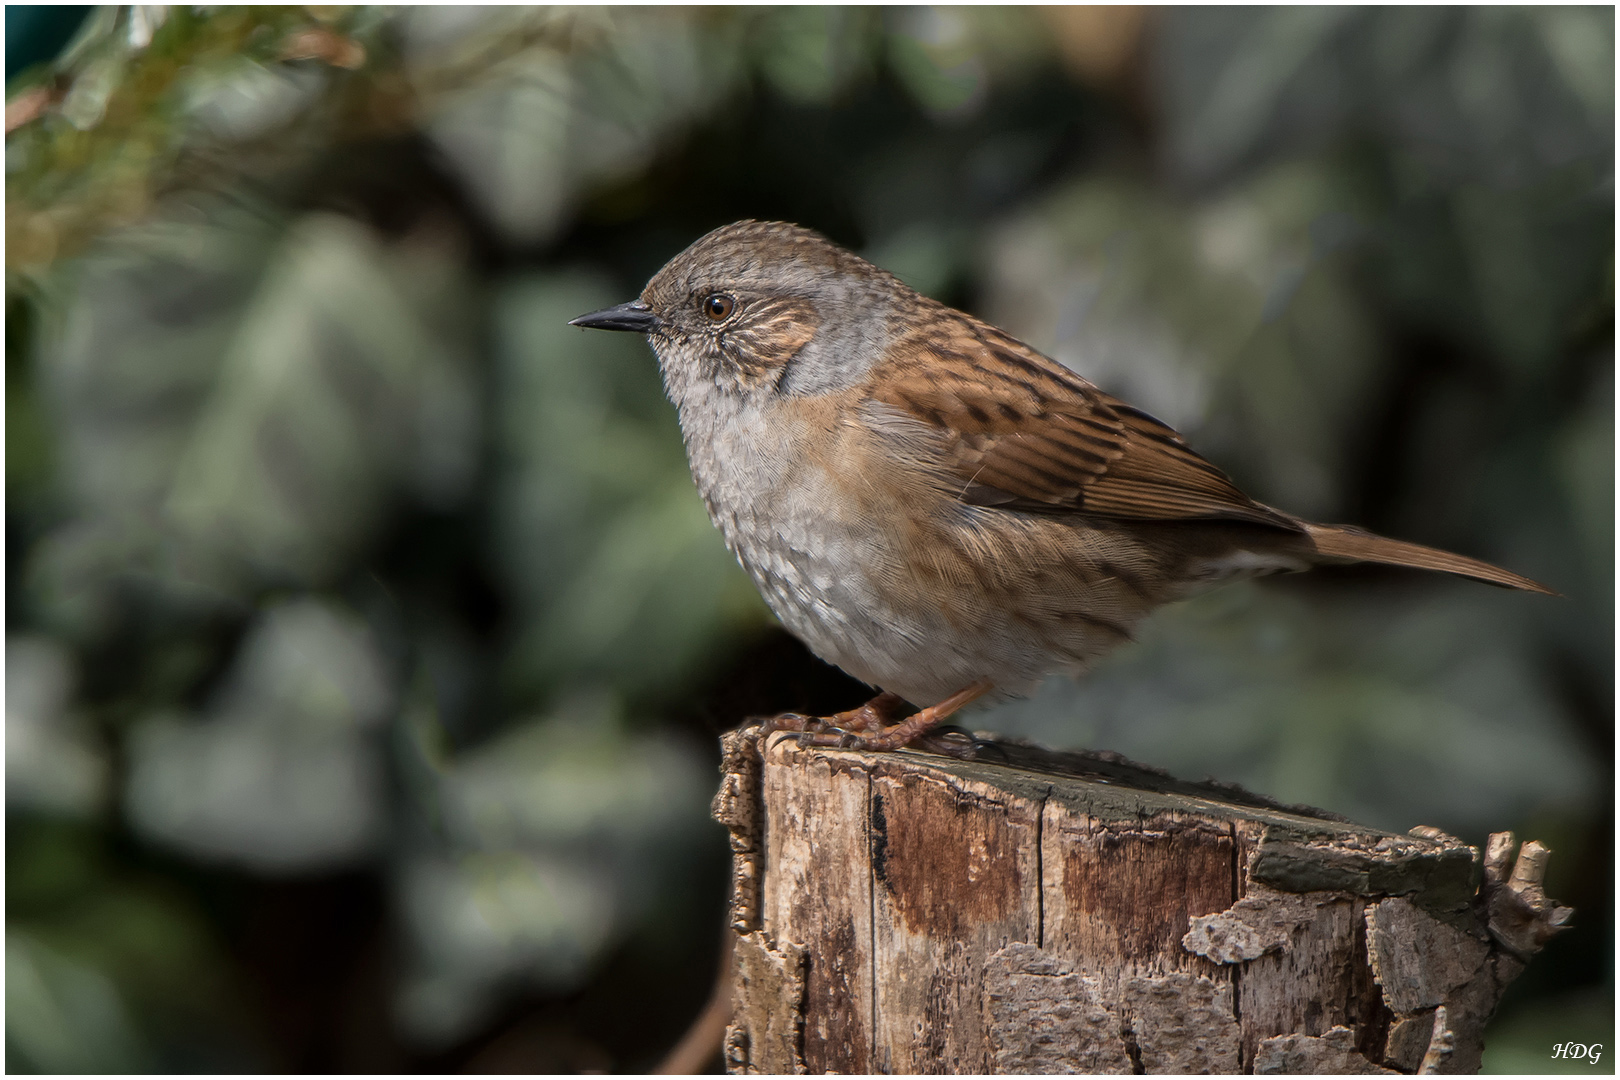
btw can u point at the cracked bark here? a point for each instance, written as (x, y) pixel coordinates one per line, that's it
(1041, 912)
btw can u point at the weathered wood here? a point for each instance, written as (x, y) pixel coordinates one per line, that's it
(1031, 911)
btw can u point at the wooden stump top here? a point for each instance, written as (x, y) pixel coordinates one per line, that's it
(1032, 911)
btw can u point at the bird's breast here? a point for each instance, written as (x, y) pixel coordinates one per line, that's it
(797, 509)
(771, 487)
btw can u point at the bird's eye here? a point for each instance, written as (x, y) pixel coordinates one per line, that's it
(718, 307)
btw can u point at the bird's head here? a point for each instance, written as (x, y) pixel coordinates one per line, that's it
(762, 308)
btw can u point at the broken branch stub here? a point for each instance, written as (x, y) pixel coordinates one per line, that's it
(1041, 912)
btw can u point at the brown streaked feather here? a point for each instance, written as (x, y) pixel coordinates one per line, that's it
(1024, 432)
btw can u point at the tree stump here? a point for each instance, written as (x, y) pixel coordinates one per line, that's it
(1023, 910)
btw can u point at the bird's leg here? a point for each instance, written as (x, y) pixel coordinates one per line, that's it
(906, 731)
(875, 715)
(872, 716)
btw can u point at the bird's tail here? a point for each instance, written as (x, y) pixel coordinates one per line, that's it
(1349, 543)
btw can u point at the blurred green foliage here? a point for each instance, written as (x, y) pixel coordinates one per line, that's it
(366, 638)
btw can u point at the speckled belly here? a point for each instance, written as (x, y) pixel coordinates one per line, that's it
(842, 587)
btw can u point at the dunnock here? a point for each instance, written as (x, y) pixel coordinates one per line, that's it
(926, 501)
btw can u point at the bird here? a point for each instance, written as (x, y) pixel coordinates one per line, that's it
(929, 503)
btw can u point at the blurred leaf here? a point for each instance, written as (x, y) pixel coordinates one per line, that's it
(243, 100)
(1493, 94)
(291, 462)
(577, 782)
(483, 921)
(934, 55)
(562, 835)
(559, 116)
(114, 948)
(235, 414)
(63, 1016)
(510, 138)
(52, 762)
(1581, 42)
(1229, 96)
(811, 54)
(280, 775)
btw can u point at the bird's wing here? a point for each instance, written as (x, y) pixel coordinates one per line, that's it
(1022, 431)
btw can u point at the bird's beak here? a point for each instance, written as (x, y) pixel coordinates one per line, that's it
(634, 316)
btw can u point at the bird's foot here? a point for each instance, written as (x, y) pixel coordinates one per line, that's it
(916, 730)
(875, 715)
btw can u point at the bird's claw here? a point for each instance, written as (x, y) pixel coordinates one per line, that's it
(828, 736)
(788, 721)
(951, 742)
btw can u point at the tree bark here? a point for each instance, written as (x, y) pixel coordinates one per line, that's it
(1032, 911)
